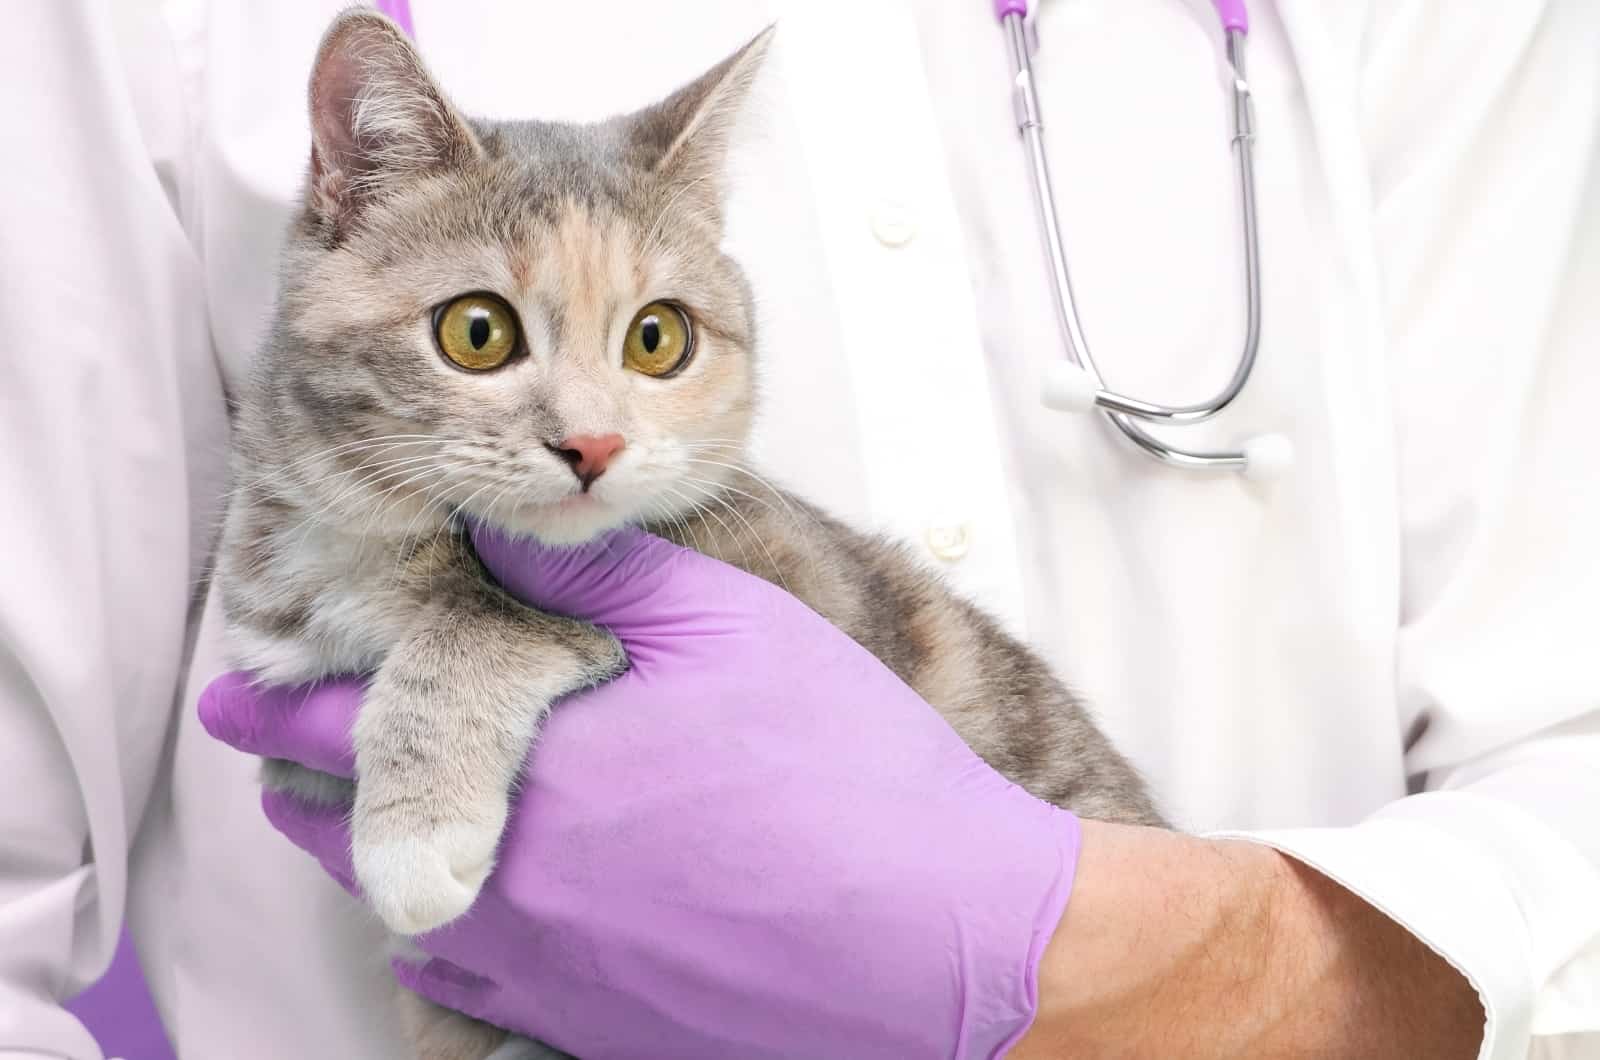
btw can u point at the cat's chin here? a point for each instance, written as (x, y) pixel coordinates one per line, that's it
(563, 525)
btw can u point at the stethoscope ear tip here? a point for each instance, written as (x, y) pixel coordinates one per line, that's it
(1267, 457)
(1067, 388)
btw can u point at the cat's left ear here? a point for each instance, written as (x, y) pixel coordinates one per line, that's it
(684, 138)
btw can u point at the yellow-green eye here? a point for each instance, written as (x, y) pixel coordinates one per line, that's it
(477, 331)
(659, 340)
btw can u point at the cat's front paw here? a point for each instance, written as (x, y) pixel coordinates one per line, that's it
(416, 883)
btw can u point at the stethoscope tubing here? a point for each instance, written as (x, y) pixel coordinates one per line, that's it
(1077, 383)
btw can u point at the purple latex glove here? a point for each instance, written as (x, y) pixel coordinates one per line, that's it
(757, 842)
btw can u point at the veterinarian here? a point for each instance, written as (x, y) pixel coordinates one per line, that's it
(1367, 690)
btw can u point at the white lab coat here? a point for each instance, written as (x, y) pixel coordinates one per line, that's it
(1385, 663)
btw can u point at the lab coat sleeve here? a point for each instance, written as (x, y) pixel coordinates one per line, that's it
(106, 348)
(1483, 126)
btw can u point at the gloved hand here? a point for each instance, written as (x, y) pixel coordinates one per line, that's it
(757, 842)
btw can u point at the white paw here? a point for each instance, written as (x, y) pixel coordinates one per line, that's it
(419, 883)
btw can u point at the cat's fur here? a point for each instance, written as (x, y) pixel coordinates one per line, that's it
(357, 446)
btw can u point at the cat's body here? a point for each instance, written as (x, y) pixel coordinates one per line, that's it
(995, 692)
(358, 446)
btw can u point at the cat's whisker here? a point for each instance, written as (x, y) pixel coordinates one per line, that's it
(369, 478)
(788, 508)
(675, 520)
(237, 492)
(405, 545)
(426, 505)
(506, 486)
(728, 448)
(386, 500)
(714, 491)
(665, 510)
(706, 509)
(379, 443)
(488, 509)
(295, 536)
(731, 450)
(776, 569)
(518, 495)
(696, 511)
(344, 447)
(382, 503)
(363, 475)
(708, 483)
(741, 468)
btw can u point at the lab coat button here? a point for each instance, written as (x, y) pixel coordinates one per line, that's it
(949, 543)
(893, 223)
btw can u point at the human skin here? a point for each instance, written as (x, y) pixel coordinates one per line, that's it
(1236, 950)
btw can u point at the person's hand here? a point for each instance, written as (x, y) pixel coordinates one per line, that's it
(757, 842)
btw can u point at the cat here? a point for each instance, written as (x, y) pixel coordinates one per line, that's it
(474, 311)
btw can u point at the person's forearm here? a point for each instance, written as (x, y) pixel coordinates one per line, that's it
(1178, 946)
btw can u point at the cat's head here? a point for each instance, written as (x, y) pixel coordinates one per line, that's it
(532, 323)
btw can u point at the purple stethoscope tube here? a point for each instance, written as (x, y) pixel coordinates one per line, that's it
(400, 11)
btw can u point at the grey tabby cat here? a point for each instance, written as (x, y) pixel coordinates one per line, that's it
(533, 324)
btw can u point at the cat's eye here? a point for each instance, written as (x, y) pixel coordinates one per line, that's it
(659, 341)
(477, 332)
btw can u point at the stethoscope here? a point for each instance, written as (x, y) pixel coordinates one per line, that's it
(1074, 384)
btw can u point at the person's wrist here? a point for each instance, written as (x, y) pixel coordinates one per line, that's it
(1158, 922)
(1178, 946)
(1372, 987)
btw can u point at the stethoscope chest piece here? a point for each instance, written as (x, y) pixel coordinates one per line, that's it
(1065, 387)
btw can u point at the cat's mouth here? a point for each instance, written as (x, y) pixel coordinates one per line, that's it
(580, 504)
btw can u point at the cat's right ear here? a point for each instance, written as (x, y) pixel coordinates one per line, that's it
(376, 117)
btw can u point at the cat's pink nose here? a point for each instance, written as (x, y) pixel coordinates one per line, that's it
(589, 454)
